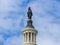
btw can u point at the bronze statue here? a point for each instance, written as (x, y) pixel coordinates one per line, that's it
(29, 13)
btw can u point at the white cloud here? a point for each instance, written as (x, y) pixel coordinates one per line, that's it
(10, 5)
(7, 19)
(9, 23)
(1, 38)
(45, 41)
(14, 41)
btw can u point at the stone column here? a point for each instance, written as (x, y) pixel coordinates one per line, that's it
(31, 37)
(25, 37)
(34, 37)
(28, 37)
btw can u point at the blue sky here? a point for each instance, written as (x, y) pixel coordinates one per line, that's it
(46, 19)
